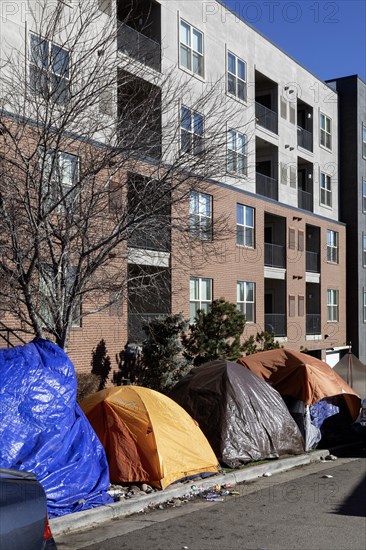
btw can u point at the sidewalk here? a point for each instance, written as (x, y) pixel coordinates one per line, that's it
(91, 518)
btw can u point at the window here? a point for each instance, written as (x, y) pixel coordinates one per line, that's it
(245, 225)
(50, 280)
(325, 131)
(364, 196)
(60, 172)
(191, 48)
(291, 306)
(325, 190)
(332, 246)
(115, 203)
(245, 298)
(364, 141)
(200, 291)
(301, 305)
(364, 305)
(291, 239)
(191, 132)
(364, 250)
(236, 153)
(200, 215)
(332, 305)
(236, 77)
(300, 241)
(48, 70)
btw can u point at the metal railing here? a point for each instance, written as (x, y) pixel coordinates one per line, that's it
(274, 255)
(140, 47)
(305, 200)
(266, 117)
(155, 241)
(136, 322)
(312, 262)
(313, 324)
(275, 323)
(304, 138)
(266, 186)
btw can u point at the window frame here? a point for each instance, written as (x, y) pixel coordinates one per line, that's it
(246, 228)
(200, 224)
(236, 154)
(235, 76)
(332, 246)
(363, 140)
(325, 189)
(55, 182)
(243, 305)
(332, 305)
(193, 135)
(363, 249)
(200, 301)
(364, 305)
(191, 52)
(43, 67)
(364, 196)
(324, 132)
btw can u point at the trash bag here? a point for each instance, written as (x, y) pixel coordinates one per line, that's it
(43, 430)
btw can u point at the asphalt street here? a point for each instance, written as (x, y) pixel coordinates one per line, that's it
(319, 506)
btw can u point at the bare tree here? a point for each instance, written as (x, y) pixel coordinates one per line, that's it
(94, 161)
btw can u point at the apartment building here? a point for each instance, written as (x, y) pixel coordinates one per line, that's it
(351, 92)
(273, 179)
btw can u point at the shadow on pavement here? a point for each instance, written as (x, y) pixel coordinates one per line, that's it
(354, 505)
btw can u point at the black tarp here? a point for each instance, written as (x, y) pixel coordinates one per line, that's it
(243, 418)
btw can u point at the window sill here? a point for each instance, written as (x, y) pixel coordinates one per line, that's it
(236, 98)
(325, 148)
(326, 206)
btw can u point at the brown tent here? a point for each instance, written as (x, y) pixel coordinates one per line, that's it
(301, 376)
(352, 370)
(243, 418)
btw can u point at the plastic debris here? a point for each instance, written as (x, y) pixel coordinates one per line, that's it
(267, 474)
(327, 476)
(330, 457)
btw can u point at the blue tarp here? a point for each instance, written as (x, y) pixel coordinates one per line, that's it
(322, 410)
(43, 430)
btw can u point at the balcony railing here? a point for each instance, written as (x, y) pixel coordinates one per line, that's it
(313, 324)
(305, 200)
(312, 262)
(275, 323)
(158, 242)
(136, 322)
(304, 138)
(266, 186)
(139, 47)
(266, 117)
(274, 255)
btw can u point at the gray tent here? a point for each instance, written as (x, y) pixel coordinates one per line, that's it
(352, 370)
(243, 418)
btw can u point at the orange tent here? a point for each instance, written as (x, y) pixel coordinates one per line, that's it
(147, 436)
(301, 376)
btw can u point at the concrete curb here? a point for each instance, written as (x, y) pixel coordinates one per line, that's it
(87, 519)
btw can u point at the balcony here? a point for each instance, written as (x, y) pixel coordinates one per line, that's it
(158, 243)
(304, 139)
(266, 117)
(274, 255)
(313, 324)
(138, 46)
(135, 323)
(305, 200)
(312, 262)
(266, 186)
(275, 323)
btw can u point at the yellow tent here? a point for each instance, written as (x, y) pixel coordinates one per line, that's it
(147, 436)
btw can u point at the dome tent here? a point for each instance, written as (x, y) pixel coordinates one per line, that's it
(243, 418)
(147, 436)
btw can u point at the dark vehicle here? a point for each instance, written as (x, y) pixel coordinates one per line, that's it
(23, 513)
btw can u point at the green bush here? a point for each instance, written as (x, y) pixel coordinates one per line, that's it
(215, 334)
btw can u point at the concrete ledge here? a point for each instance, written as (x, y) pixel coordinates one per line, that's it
(87, 519)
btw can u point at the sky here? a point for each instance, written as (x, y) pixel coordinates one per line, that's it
(328, 38)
